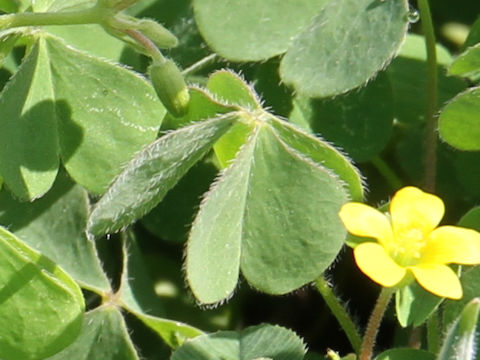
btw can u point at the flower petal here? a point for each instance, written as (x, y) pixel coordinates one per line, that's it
(452, 244)
(364, 220)
(374, 261)
(413, 208)
(438, 279)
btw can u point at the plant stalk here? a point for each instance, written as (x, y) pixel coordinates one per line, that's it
(433, 333)
(432, 97)
(373, 325)
(92, 15)
(340, 313)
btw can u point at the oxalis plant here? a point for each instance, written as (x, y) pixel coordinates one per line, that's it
(254, 161)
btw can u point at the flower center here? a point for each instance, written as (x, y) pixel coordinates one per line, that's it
(407, 246)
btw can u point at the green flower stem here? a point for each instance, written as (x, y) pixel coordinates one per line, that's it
(207, 60)
(432, 89)
(386, 171)
(93, 15)
(147, 44)
(340, 313)
(374, 323)
(433, 333)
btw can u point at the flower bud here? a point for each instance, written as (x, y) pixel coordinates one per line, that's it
(170, 86)
(160, 36)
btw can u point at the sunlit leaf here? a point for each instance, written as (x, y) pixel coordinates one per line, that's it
(346, 45)
(253, 30)
(256, 342)
(41, 304)
(154, 170)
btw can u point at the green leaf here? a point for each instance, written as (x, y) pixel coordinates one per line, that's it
(7, 42)
(174, 333)
(405, 354)
(460, 340)
(154, 170)
(249, 220)
(467, 172)
(233, 90)
(29, 163)
(466, 63)
(458, 122)
(8, 6)
(474, 35)
(359, 122)
(253, 30)
(136, 288)
(81, 37)
(58, 5)
(321, 153)
(414, 305)
(409, 83)
(471, 219)
(103, 336)
(471, 290)
(55, 226)
(102, 102)
(171, 219)
(136, 295)
(345, 46)
(202, 106)
(41, 304)
(256, 342)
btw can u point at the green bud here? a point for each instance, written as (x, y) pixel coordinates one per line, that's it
(170, 86)
(161, 37)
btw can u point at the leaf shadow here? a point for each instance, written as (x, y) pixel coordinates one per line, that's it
(14, 285)
(37, 145)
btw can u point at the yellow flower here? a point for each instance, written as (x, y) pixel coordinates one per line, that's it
(409, 241)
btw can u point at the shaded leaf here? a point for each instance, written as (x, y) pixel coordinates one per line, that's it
(137, 296)
(409, 82)
(103, 336)
(359, 122)
(405, 354)
(55, 226)
(28, 124)
(171, 219)
(458, 122)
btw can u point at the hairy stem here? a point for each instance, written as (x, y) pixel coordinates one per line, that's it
(340, 313)
(199, 64)
(433, 333)
(432, 89)
(374, 323)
